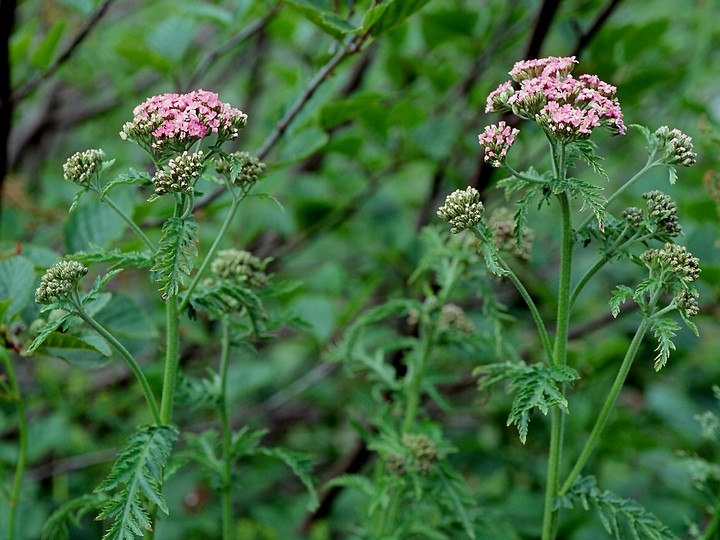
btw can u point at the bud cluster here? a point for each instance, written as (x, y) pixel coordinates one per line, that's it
(462, 209)
(633, 216)
(662, 210)
(181, 174)
(453, 318)
(677, 259)
(677, 146)
(238, 265)
(688, 302)
(423, 451)
(59, 281)
(82, 167)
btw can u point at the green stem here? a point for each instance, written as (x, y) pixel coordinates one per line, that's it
(22, 443)
(607, 406)
(413, 391)
(138, 232)
(712, 527)
(227, 434)
(559, 359)
(539, 323)
(211, 252)
(129, 360)
(520, 175)
(172, 359)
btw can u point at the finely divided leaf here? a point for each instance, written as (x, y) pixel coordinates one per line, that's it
(178, 247)
(616, 514)
(620, 295)
(136, 480)
(664, 330)
(535, 387)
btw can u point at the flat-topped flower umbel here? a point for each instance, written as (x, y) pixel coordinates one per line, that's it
(566, 108)
(169, 124)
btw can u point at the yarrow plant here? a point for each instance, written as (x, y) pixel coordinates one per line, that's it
(227, 286)
(568, 110)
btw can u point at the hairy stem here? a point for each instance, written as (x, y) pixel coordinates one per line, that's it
(172, 359)
(124, 353)
(22, 442)
(227, 434)
(559, 353)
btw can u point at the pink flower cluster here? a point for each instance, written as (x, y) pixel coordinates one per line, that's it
(568, 108)
(497, 140)
(170, 123)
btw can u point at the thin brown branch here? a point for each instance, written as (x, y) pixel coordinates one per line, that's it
(32, 85)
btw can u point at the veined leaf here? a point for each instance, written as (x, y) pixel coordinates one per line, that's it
(131, 177)
(175, 254)
(590, 196)
(620, 295)
(586, 150)
(76, 350)
(329, 22)
(136, 480)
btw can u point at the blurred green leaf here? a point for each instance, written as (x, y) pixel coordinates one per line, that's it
(93, 225)
(381, 18)
(44, 53)
(171, 38)
(74, 350)
(329, 22)
(17, 277)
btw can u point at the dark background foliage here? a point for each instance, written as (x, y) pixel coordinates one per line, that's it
(379, 137)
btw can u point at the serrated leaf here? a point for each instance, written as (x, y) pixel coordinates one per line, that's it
(47, 330)
(56, 526)
(664, 329)
(76, 199)
(535, 387)
(132, 177)
(94, 224)
(117, 258)
(176, 251)
(672, 174)
(75, 350)
(612, 508)
(301, 465)
(586, 150)
(329, 22)
(17, 277)
(590, 196)
(136, 480)
(620, 295)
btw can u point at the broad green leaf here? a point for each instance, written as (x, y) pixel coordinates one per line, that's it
(381, 18)
(44, 53)
(92, 225)
(74, 350)
(126, 319)
(17, 277)
(171, 38)
(328, 21)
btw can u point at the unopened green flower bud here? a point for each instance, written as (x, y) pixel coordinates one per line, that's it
(677, 259)
(633, 216)
(395, 464)
(677, 146)
(663, 211)
(82, 167)
(462, 209)
(249, 168)
(181, 174)
(423, 450)
(59, 281)
(688, 302)
(238, 265)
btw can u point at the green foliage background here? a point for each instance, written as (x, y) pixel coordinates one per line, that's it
(359, 172)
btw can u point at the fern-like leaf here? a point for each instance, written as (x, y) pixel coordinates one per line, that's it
(664, 329)
(616, 513)
(56, 526)
(590, 196)
(620, 295)
(136, 480)
(586, 150)
(178, 248)
(535, 387)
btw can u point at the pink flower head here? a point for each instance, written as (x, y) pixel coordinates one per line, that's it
(552, 66)
(171, 123)
(497, 140)
(566, 107)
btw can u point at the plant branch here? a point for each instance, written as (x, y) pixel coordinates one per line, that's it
(30, 86)
(227, 521)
